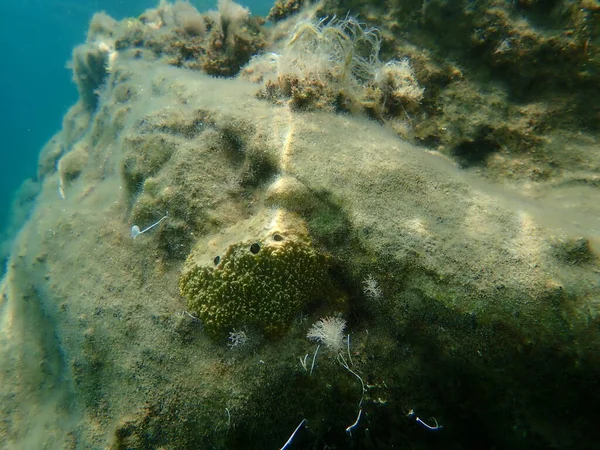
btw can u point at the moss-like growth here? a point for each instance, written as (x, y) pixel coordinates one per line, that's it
(49, 156)
(573, 251)
(282, 9)
(70, 167)
(72, 164)
(90, 69)
(261, 274)
(145, 157)
(291, 194)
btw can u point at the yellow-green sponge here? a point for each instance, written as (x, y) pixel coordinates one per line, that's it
(260, 273)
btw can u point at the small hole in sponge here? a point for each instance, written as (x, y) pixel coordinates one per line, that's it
(217, 260)
(277, 237)
(255, 248)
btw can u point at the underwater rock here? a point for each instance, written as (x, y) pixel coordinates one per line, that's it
(460, 301)
(289, 193)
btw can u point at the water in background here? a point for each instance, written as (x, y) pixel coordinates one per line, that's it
(37, 37)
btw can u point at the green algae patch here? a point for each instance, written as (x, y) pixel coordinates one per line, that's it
(260, 273)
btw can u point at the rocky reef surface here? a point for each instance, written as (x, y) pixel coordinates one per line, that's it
(191, 231)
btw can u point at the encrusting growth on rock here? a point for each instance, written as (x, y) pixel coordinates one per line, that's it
(261, 273)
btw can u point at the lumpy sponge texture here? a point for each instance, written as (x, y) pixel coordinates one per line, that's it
(260, 273)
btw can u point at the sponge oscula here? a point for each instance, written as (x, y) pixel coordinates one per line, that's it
(260, 273)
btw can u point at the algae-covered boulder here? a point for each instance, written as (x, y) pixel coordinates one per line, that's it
(472, 303)
(261, 272)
